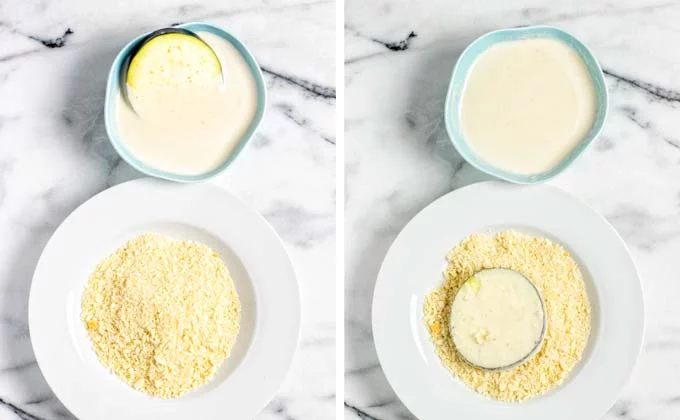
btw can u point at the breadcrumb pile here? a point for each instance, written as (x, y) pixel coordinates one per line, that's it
(161, 314)
(558, 279)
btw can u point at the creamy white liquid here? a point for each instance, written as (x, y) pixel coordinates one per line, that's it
(526, 104)
(498, 321)
(192, 129)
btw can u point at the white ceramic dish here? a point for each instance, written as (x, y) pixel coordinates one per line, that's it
(257, 260)
(413, 267)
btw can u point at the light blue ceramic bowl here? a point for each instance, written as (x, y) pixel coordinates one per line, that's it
(113, 90)
(459, 77)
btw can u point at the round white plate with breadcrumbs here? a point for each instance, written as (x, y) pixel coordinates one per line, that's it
(257, 262)
(413, 268)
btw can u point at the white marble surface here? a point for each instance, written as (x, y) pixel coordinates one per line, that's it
(399, 159)
(54, 155)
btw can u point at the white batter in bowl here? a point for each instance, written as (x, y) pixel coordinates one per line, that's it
(498, 319)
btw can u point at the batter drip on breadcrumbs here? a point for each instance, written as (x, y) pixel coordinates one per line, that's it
(558, 279)
(161, 314)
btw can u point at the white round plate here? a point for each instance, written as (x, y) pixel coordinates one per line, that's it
(413, 267)
(261, 270)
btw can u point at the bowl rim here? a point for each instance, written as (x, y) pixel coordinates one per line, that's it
(113, 89)
(457, 85)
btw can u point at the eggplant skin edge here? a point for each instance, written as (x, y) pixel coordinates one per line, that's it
(166, 59)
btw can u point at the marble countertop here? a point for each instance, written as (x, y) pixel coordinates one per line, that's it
(54, 155)
(399, 56)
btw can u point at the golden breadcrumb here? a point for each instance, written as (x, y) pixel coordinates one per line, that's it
(559, 280)
(161, 314)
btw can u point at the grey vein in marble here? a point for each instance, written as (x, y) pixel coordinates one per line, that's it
(656, 92)
(290, 113)
(394, 46)
(57, 42)
(313, 88)
(21, 413)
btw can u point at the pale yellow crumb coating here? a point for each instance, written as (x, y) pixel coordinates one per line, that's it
(161, 314)
(560, 282)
